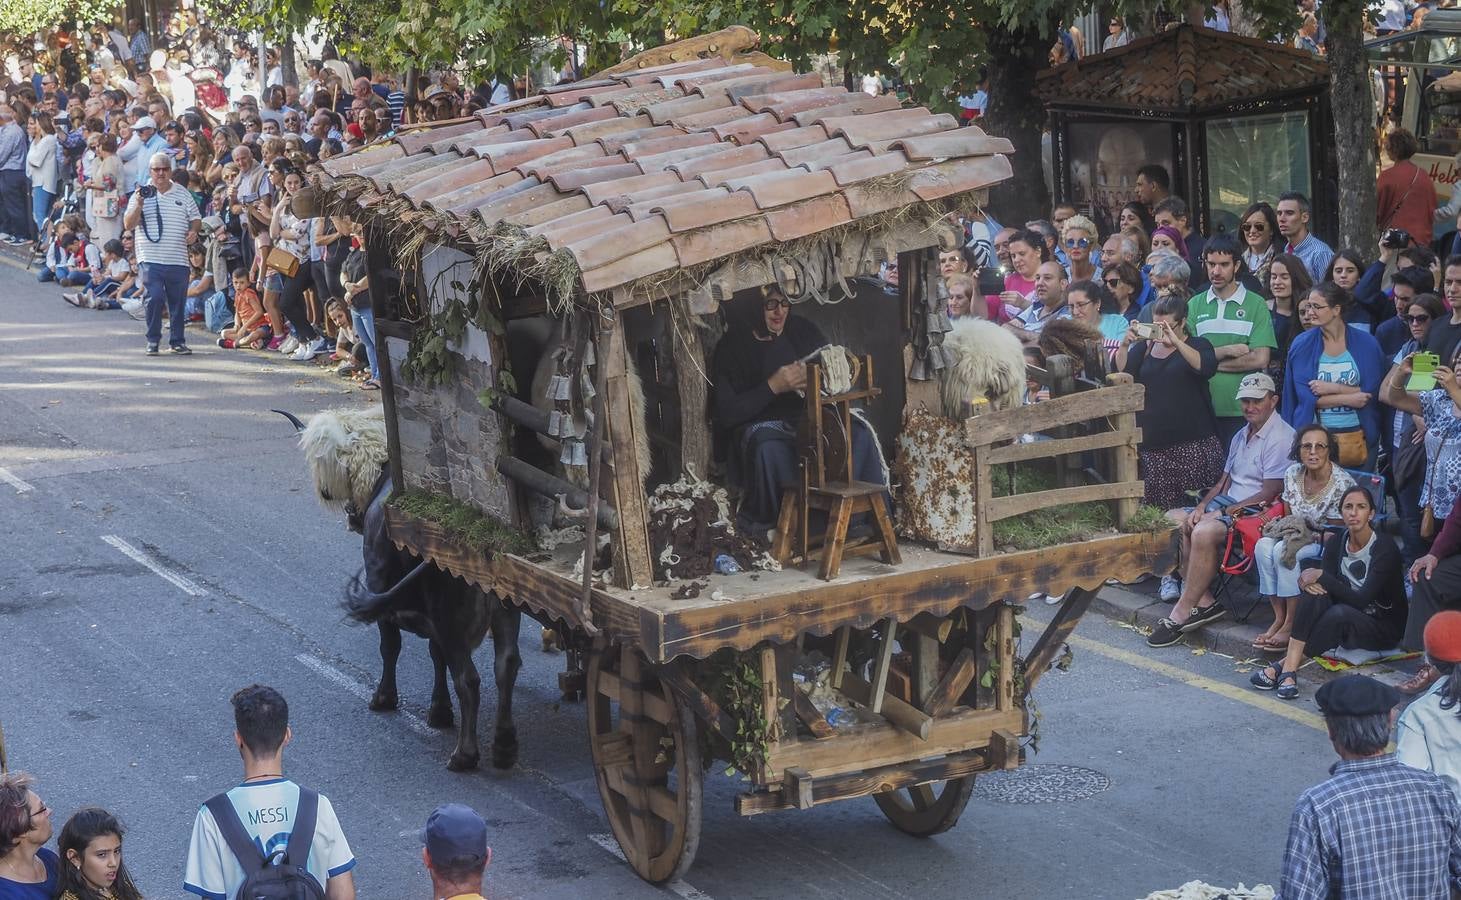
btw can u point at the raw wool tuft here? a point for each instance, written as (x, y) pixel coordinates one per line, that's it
(836, 370)
(1197, 890)
(690, 524)
(346, 450)
(984, 361)
(550, 538)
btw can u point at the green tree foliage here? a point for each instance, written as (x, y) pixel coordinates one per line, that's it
(24, 17)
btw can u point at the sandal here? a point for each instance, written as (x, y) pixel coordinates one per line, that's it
(371, 385)
(1264, 682)
(1288, 686)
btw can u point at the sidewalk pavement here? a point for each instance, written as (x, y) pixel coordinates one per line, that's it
(1139, 606)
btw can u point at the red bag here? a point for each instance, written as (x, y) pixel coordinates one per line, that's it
(1248, 528)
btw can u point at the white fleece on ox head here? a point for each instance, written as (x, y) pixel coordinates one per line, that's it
(345, 450)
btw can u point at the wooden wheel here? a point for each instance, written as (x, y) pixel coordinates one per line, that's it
(926, 809)
(647, 763)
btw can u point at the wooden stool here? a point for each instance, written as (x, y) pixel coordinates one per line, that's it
(827, 483)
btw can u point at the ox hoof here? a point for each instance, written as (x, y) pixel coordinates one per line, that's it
(462, 762)
(440, 716)
(384, 701)
(504, 749)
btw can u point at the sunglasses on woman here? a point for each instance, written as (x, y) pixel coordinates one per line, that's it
(1112, 283)
(1416, 320)
(1078, 242)
(1249, 227)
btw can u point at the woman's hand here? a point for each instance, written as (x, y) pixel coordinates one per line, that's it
(1320, 387)
(1423, 568)
(1356, 400)
(790, 377)
(1171, 336)
(1130, 337)
(1308, 577)
(1407, 366)
(1446, 378)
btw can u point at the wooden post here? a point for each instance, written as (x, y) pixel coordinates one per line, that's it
(983, 494)
(839, 655)
(770, 694)
(1004, 653)
(1124, 466)
(925, 668)
(880, 670)
(691, 385)
(632, 565)
(1062, 382)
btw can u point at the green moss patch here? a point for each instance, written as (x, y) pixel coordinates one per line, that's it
(1063, 524)
(464, 523)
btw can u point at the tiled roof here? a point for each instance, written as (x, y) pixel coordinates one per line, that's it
(669, 167)
(1183, 69)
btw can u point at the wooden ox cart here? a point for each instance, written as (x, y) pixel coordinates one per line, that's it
(629, 211)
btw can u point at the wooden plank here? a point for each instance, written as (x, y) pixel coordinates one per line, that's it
(983, 499)
(1004, 750)
(640, 849)
(647, 703)
(1127, 436)
(770, 694)
(839, 655)
(1009, 424)
(1017, 504)
(872, 744)
(925, 669)
(810, 716)
(907, 717)
(692, 389)
(952, 686)
(1004, 654)
(1038, 660)
(680, 677)
(918, 394)
(880, 669)
(797, 786)
(631, 539)
(864, 783)
(1124, 467)
(937, 628)
(615, 749)
(388, 404)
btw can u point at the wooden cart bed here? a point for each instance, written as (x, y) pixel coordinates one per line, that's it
(780, 606)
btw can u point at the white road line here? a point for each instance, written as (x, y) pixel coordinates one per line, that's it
(165, 574)
(678, 887)
(335, 676)
(15, 481)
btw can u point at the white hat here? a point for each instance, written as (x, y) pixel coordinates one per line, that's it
(1256, 386)
(144, 122)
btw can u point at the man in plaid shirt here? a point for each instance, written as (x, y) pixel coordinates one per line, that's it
(1376, 830)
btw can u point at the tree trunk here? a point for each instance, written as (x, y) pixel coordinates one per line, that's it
(286, 59)
(1354, 125)
(1015, 112)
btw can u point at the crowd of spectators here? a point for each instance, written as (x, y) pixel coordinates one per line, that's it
(83, 122)
(1281, 386)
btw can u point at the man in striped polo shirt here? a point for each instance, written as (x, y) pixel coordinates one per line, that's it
(1237, 324)
(166, 222)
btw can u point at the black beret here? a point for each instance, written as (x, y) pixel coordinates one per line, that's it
(1356, 695)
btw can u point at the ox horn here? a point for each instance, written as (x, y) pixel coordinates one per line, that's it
(293, 419)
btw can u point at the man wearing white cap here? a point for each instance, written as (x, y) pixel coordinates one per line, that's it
(145, 128)
(167, 222)
(1253, 475)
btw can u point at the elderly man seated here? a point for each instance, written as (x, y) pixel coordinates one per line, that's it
(1253, 475)
(760, 375)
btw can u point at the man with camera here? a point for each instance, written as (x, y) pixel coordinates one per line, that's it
(166, 221)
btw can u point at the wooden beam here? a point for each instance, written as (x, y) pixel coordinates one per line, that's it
(770, 694)
(925, 669)
(1016, 504)
(828, 789)
(1009, 424)
(1004, 750)
(811, 717)
(1066, 617)
(692, 388)
(797, 786)
(983, 499)
(935, 627)
(839, 655)
(681, 679)
(1004, 654)
(1124, 466)
(388, 404)
(1123, 437)
(632, 565)
(880, 668)
(952, 686)
(907, 717)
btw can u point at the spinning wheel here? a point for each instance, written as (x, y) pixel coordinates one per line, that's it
(824, 440)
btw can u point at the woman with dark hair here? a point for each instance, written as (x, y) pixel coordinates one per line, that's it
(289, 234)
(1125, 284)
(1090, 302)
(91, 847)
(1179, 450)
(1346, 269)
(1136, 215)
(1288, 284)
(1259, 229)
(1354, 597)
(1405, 196)
(1027, 251)
(1333, 375)
(1406, 478)
(28, 870)
(1312, 488)
(1428, 735)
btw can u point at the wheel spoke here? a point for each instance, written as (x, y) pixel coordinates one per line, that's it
(922, 795)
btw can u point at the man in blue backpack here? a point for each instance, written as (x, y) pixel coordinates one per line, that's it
(269, 835)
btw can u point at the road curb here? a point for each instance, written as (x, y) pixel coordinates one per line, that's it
(1142, 611)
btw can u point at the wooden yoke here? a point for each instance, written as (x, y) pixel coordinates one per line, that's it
(632, 564)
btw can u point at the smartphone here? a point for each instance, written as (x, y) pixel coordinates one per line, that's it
(1423, 372)
(1147, 332)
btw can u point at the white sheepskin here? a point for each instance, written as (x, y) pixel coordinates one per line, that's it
(345, 449)
(984, 361)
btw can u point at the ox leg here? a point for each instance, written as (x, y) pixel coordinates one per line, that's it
(469, 695)
(439, 714)
(385, 697)
(506, 622)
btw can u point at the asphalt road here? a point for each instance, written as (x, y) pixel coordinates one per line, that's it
(163, 548)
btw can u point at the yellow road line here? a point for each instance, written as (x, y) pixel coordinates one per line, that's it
(1243, 694)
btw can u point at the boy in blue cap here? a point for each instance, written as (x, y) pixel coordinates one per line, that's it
(455, 852)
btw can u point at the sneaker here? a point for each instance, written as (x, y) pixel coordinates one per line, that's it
(225, 343)
(1165, 634)
(275, 343)
(1203, 616)
(151, 349)
(1288, 686)
(309, 351)
(72, 297)
(14, 241)
(290, 345)
(1171, 589)
(181, 350)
